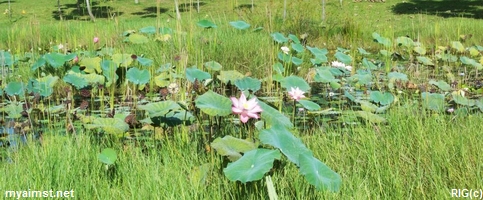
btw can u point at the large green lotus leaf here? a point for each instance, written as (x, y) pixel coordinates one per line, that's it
(458, 46)
(174, 118)
(162, 80)
(56, 60)
(248, 83)
(214, 104)
(137, 76)
(206, 24)
(298, 47)
(309, 105)
(293, 82)
(39, 63)
(108, 156)
(15, 88)
(138, 38)
(479, 103)
(425, 60)
(213, 65)
(193, 74)
(441, 85)
(278, 67)
(273, 117)
(160, 108)
(367, 106)
(324, 75)
(284, 140)
(362, 77)
(230, 76)
(93, 65)
(318, 174)
(382, 40)
(109, 69)
(363, 51)
(294, 38)
(6, 59)
(123, 60)
(252, 166)
(468, 61)
(232, 147)
(370, 117)
(148, 30)
(433, 101)
(45, 85)
(461, 100)
(144, 61)
(297, 61)
(14, 110)
(346, 59)
(76, 80)
(368, 64)
(405, 41)
(284, 57)
(319, 60)
(420, 50)
(397, 76)
(112, 126)
(318, 52)
(240, 25)
(384, 98)
(165, 30)
(278, 37)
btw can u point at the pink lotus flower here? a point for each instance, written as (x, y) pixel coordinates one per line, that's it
(246, 109)
(96, 39)
(76, 59)
(296, 94)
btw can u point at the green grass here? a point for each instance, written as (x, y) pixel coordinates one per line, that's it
(415, 155)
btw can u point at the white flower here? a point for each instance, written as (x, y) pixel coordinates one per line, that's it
(331, 94)
(348, 67)
(61, 46)
(337, 64)
(450, 110)
(285, 49)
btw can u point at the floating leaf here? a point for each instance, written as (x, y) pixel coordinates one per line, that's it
(148, 30)
(160, 108)
(461, 100)
(138, 38)
(123, 60)
(44, 85)
(248, 83)
(382, 40)
(114, 126)
(232, 147)
(39, 63)
(193, 74)
(108, 156)
(285, 141)
(362, 51)
(457, 46)
(309, 105)
(230, 76)
(368, 64)
(318, 52)
(76, 80)
(425, 60)
(371, 117)
(15, 88)
(6, 59)
(319, 174)
(346, 59)
(433, 101)
(214, 104)
(240, 25)
(144, 61)
(324, 75)
(405, 41)
(206, 24)
(294, 38)
(252, 166)
(213, 65)
(109, 71)
(273, 117)
(298, 47)
(93, 65)
(441, 85)
(278, 37)
(385, 98)
(57, 60)
(296, 61)
(295, 81)
(137, 76)
(397, 76)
